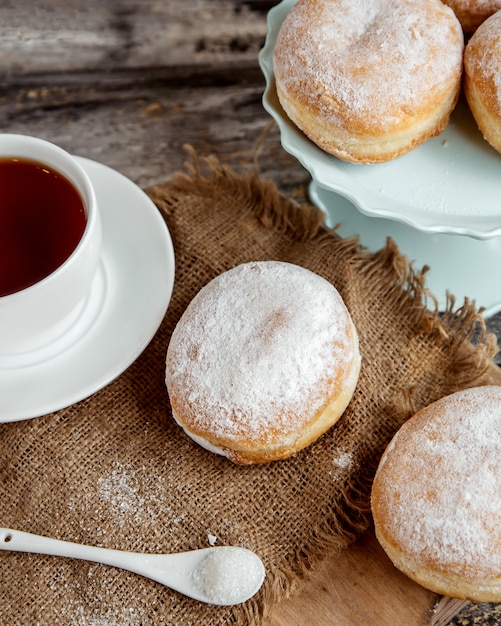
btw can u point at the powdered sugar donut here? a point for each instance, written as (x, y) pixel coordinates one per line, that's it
(436, 496)
(482, 78)
(471, 13)
(262, 362)
(369, 80)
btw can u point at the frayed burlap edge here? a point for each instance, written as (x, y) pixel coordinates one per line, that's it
(459, 329)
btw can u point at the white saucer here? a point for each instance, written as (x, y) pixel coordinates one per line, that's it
(450, 184)
(127, 303)
(464, 266)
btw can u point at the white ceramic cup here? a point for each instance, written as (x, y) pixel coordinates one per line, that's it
(35, 316)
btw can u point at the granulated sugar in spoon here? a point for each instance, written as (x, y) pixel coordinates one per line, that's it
(222, 575)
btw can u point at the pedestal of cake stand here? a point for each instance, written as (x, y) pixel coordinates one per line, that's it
(462, 265)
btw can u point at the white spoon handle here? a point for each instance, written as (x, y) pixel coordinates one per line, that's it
(19, 541)
(168, 569)
(163, 568)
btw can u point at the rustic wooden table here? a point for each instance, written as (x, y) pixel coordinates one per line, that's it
(129, 83)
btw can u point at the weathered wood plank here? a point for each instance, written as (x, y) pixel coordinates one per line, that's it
(68, 36)
(130, 83)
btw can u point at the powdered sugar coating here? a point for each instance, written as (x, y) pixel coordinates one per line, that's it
(483, 61)
(373, 63)
(259, 351)
(437, 491)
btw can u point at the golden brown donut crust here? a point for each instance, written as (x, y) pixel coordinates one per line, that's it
(263, 361)
(369, 81)
(482, 79)
(472, 13)
(436, 496)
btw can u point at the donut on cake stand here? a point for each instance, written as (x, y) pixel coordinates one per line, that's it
(440, 203)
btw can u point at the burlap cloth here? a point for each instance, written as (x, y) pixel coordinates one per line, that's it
(115, 471)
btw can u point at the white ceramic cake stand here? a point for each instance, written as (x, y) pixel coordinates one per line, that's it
(440, 203)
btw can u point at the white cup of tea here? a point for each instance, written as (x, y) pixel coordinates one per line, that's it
(50, 242)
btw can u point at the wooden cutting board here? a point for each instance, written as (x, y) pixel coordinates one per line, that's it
(358, 587)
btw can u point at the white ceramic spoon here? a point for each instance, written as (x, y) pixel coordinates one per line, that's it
(221, 575)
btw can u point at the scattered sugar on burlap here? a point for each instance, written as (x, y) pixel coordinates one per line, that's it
(115, 471)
